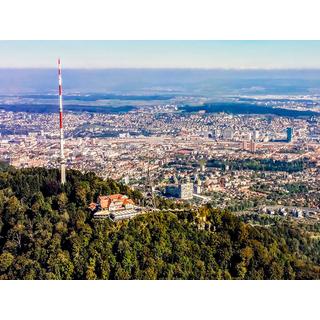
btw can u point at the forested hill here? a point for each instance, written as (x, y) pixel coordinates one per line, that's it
(48, 233)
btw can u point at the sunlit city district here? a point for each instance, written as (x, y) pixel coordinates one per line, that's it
(191, 157)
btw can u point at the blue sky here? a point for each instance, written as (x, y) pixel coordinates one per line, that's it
(161, 54)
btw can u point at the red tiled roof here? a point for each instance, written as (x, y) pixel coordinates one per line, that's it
(128, 201)
(119, 199)
(116, 196)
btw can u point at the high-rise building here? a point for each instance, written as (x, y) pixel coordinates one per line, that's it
(252, 146)
(186, 190)
(255, 135)
(197, 186)
(228, 134)
(202, 165)
(183, 190)
(289, 134)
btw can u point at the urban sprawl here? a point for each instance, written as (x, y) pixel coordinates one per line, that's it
(246, 163)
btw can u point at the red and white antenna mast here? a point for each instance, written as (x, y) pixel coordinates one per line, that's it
(62, 158)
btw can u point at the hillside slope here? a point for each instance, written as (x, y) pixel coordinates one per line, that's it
(48, 233)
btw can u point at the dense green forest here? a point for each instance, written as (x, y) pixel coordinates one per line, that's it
(261, 165)
(48, 233)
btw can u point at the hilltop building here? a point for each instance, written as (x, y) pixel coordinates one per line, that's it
(115, 202)
(115, 206)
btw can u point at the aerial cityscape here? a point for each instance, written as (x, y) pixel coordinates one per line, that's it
(168, 146)
(216, 157)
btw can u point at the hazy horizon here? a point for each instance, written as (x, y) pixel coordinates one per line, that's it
(207, 54)
(161, 80)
